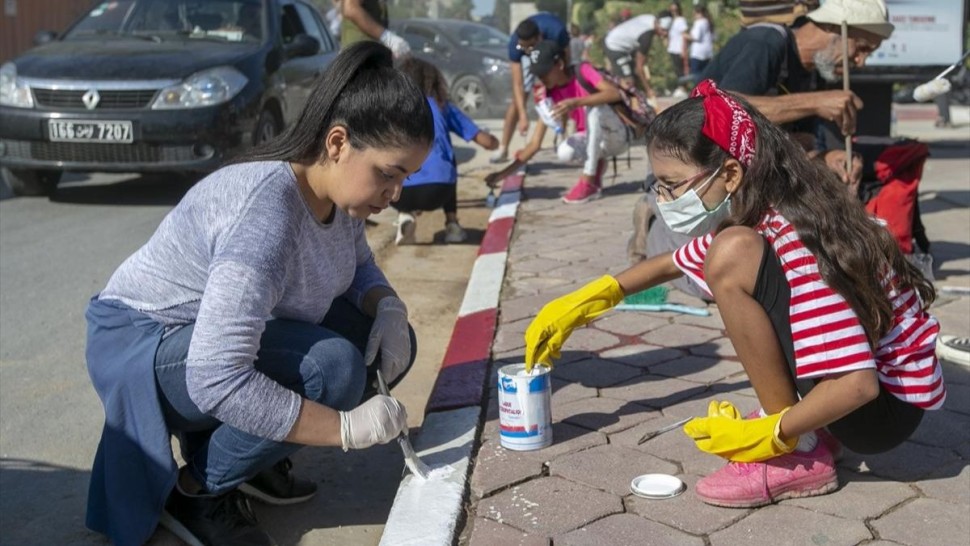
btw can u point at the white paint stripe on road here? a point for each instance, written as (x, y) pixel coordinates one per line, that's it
(426, 512)
(484, 284)
(504, 211)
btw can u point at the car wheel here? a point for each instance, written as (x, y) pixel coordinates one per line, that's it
(468, 93)
(31, 183)
(267, 128)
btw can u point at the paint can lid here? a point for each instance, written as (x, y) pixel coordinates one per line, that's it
(657, 486)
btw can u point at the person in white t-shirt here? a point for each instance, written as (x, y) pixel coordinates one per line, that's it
(675, 43)
(628, 44)
(701, 39)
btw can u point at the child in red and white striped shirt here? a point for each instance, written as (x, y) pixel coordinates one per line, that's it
(826, 315)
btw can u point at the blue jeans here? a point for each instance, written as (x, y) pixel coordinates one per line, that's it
(323, 363)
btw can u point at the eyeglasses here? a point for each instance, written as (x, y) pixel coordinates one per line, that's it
(667, 191)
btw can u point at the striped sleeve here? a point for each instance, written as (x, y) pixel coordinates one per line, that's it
(906, 355)
(690, 259)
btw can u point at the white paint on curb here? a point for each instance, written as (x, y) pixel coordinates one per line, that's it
(504, 211)
(484, 284)
(426, 512)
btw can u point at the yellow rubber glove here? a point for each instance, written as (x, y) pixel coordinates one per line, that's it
(723, 409)
(558, 318)
(740, 440)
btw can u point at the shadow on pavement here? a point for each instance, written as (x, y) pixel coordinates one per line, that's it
(41, 503)
(135, 191)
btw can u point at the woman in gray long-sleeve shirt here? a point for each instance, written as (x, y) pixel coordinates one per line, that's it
(253, 320)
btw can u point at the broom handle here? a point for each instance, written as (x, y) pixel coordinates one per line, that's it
(845, 87)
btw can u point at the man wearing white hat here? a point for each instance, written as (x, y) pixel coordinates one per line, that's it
(775, 67)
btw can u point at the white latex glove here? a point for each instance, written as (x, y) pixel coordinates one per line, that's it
(376, 421)
(398, 46)
(390, 335)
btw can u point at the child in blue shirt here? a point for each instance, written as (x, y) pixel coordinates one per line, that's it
(434, 186)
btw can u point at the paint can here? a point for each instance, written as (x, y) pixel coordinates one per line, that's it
(524, 407)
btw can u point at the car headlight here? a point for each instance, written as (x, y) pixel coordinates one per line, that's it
(14, 92)
(205, 88)
(495, 65)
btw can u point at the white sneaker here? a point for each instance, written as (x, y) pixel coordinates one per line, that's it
(406, 226)
(454, 233)
(500, 156)
(954, 349)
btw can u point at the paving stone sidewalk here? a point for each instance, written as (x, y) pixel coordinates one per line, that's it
(631, 372)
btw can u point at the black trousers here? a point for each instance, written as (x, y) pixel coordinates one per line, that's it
(428, 197)
(879, 425)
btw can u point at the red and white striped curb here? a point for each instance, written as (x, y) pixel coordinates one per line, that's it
(427, 512)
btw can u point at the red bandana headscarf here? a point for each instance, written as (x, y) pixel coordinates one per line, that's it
(726, 122)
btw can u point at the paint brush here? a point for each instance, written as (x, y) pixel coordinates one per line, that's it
(411, 459)
(845, 87)
(654, 433)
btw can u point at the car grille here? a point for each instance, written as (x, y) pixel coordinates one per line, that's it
(110, 99)
(87, 152)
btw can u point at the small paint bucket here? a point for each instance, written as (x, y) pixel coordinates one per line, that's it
(524, 407)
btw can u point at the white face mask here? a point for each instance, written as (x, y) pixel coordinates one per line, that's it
(688, 215)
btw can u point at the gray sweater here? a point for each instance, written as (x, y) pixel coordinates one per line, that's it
(240, 248)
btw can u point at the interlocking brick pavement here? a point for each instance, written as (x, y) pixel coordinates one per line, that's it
(631, 372)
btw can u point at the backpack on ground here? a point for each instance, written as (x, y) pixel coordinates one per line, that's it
(632, 108)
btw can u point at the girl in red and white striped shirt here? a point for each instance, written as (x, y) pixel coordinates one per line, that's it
(826, 315)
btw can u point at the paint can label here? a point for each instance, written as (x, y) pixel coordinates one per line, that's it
(525, 402)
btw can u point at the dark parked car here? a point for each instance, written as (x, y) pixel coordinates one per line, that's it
(473, 57)
(157, 86)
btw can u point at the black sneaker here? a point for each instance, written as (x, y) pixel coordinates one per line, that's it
(279, 486)
(206, 520)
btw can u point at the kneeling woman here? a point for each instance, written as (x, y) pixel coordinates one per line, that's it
(253, 320)
(826, 315)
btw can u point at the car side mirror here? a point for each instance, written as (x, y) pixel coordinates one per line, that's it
(303, 45)
(44, 37)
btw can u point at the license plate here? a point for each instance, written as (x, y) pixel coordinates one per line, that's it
(66, 130)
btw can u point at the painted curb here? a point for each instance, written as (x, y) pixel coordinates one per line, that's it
(427, 512)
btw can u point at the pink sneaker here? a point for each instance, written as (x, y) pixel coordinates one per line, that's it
(831, 442)
(789, 476)
(582, 192)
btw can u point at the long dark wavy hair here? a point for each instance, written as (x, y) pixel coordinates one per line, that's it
(854, 253)
(427, 77)
(362, 91)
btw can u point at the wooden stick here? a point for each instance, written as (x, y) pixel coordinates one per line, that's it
(845, 87)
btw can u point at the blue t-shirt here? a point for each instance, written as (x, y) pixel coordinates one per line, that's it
(550, 28)
(440, 167)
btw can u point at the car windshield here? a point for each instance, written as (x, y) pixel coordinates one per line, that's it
(479, 36)
(222, 20)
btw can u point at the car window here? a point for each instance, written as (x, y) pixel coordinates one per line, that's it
(481, 36)
(291, 24)
(418, 37)
(224, 20)
(314, 27)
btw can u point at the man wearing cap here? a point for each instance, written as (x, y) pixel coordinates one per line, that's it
(628, 45)
(537, 27)
(776, 67)
(599, 131)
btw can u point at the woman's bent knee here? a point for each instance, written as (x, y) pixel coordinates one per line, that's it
(334, 374)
